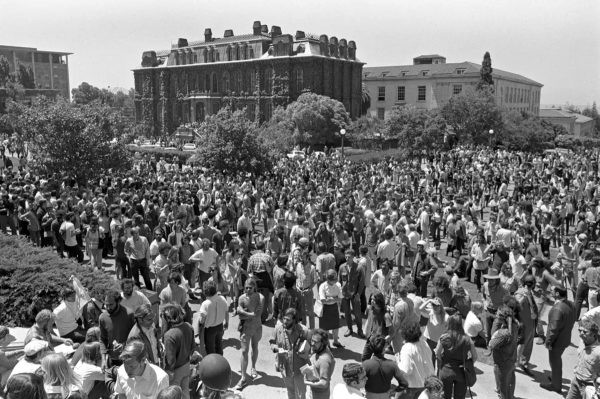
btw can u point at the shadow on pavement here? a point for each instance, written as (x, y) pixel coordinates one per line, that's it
(345, 354)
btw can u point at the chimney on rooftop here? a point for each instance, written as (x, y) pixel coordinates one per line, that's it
(300, 35)
(181, 42)
(228, 33)
(207, 35)
(256, 28)
(264, 29)
(275, 31)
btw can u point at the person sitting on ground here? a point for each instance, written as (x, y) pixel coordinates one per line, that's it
(25, 386)
(30, 363)
(59, 379)
(43, 330)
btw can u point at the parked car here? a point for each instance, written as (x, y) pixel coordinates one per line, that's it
(296, 154)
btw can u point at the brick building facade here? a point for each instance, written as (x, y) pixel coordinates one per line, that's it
(257, 71)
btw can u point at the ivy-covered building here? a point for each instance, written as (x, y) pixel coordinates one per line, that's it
(257, 71)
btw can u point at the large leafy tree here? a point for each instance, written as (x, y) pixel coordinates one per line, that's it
(25, 76)
(416, 129)
(592, 112)
(71, 140)
(278, 135)
(317, 119)
(525, 132)
(472, 114)
(229, 142)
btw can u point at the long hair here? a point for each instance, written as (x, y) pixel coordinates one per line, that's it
(25, 386)
(455, 332)
(57, 372)
(378, 303)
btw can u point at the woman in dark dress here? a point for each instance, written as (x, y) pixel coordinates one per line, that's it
(330, 295)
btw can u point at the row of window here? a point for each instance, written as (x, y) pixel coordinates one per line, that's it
(520, 95)
(232, 53)
(421, 93)
(236, 81)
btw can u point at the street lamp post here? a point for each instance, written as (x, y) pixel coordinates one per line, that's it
(491, 132)
(343, 133)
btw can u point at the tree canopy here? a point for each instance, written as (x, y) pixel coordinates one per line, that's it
(229, 142)
(472, 114)
(486, 82)
(415, 129)
(65, 139)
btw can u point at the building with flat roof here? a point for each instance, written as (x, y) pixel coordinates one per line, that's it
(256, 71)
(50, 68)
(430, 82)
(575, 124)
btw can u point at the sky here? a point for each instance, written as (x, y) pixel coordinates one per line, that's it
(554, 42)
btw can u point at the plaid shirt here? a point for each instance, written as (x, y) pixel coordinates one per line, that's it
(260, 262)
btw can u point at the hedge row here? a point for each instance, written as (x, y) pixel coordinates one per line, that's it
(32, 278)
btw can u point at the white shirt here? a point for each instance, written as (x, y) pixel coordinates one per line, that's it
(517, 263)
(89, 374)
(472, 325)
(66, 315)
(136, 300)
(214, 311)
(415, 361)
(147, 386)
(68, 230)
(205, 259)
(343, 391)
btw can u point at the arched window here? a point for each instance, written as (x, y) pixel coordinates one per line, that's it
(206, 83)
(205, 55)
(244, 51)
(236, 51)
(211, 55)
(229, 52)
(217, 56)
(225, 85)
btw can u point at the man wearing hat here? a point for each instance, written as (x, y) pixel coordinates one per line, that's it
(561, 320)
(493, 295)
(35, 350)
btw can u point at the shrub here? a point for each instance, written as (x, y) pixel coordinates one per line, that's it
(32, 278)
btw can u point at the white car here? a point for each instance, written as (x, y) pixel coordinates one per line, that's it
(189, 147)
(296, 154)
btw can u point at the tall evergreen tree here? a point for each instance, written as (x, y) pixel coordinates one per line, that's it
(486, 80)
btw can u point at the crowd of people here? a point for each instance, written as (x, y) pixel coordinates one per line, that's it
(304, 246)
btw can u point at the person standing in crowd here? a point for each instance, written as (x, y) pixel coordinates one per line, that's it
(587, 368)
(325, 261)
(136, 377)
(425, 267)
(355, 378)
(352, 280)
(145, 330)
(249, 309)
(503, 345)
(115, 324)
(94, 243)
(69, 233)
(214, 318)
(403, 314)
(306, 279)
(481, 259)
(452, 350)
(415, 359)
(179, 346)
(322, 363)
(288, 297)
(380, 371)
(137, 250)
(493, 295)
(330, 295)
(528, 316)
(260, 267)
(130, 297)
(205, 258)
(289, 343)
(561, 320)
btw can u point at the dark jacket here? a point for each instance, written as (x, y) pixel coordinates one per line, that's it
(137, 333)
(560, 324)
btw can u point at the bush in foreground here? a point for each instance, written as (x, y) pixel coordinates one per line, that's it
(32, 278)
